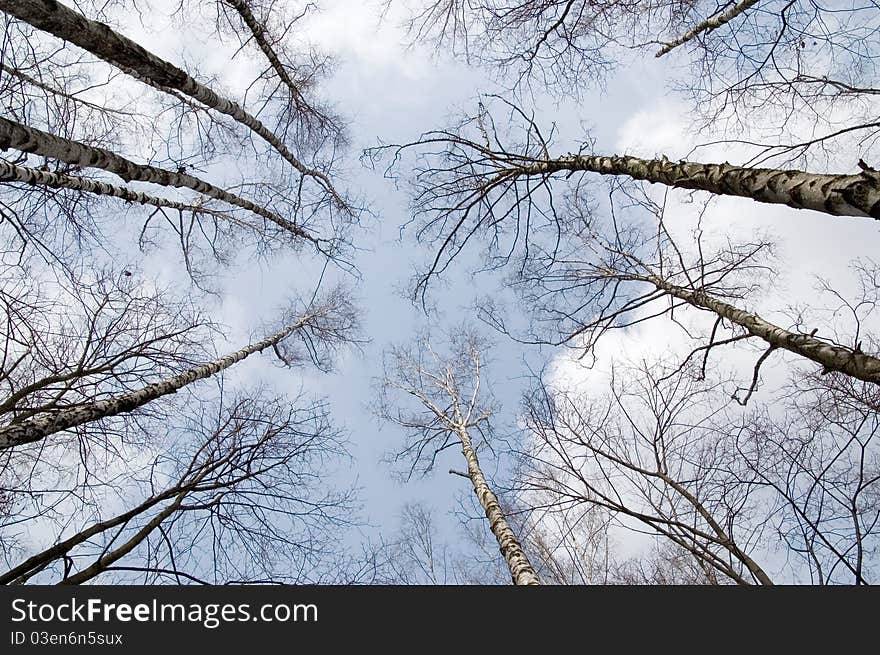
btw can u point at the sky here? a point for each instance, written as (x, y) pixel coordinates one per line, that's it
(388, 91)
(396, 93)
(391, 92)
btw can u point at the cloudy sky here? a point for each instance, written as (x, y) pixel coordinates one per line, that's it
(390, 92)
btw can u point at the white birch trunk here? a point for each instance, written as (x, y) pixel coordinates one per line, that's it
(259, 33)
(830, 357)
(521, 569)
(708, 25)
(840, 195)
(123, 53)
(31, 140)
(40, 427)
(11, 173)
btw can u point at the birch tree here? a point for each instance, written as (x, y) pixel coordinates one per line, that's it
(732, 489)
(84, 365)
(201, 126)
(92, 118)
(238, 479)
(27, 139)
(323, 325)
(58, 92)
(449, 411)
(70, 342)
(214, 225)
(497, 179)
(291, 76)
(133, 59)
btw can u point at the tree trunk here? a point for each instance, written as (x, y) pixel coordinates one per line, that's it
(40, 427)
(32, 140)
(36, 563)
(708, 25)
(520, 568)
(108, 558)
(11, 173)
(830, 357)
(259, 34)
(840, 195)
(131, 58)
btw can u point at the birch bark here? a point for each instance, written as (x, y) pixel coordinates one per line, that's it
(447, 412)
(11, 173)
(259, 33)
(32, 140)
(521, 569)
(40, 427)
(708, 25)
(123, 53)
(837, 194)
(830, 357)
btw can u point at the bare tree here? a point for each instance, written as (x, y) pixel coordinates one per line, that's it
(801, 66)
(80, 358)
(88, 353)
(58, 90)
(271, 25)
(67, 343)
(665, 564)
(730, 488)
(554, 42)
(658, 466)
(448, 410)
(133, 59)
(496, 178)
(11, 173)
(568, 546)
(786, 61)
(700, 473)
(322, 325)
(28, 139)
(708, 25)
(416, 554)
(819, 457)
(235, 494)
(591, 274)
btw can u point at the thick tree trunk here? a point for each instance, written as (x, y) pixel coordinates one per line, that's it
(840, 195)
(708, 25)
(128, 56)
(40, 427)
(830, 357)
(32, 140)
(35, 177)
(521, 569)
